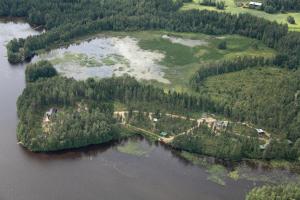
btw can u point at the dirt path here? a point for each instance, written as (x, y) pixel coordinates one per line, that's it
(208, 120)
(163, 139)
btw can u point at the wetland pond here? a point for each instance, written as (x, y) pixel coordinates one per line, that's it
(131, 169)
(107, 56)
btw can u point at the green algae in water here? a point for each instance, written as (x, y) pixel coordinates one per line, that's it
(134, 148)
(234, 175)
(82, 59)
(195, 159)
(217, 174)
(114, 59)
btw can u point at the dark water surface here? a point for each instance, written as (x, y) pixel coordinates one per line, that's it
(98, 172)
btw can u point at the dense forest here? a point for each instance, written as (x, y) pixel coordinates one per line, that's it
(66, 20)
(281, 192)
(202, 141)
(266, 96)
(281, 5)
(63, 92)
(226, 66)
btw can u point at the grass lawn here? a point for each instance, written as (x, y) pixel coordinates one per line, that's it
(232, 8)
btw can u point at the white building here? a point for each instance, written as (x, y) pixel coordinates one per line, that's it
(254, 4)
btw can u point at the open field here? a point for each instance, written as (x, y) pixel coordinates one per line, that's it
(232, 8)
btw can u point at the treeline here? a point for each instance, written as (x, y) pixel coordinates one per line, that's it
(66, 20)
(281, 192)
(233, 147)
(66, 92)
(281, 5)
(218, 4)
(70, 11)
(226, 66)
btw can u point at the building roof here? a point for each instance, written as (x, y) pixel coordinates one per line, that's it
(51, 111)
(163, 134)
(253, 3)
(259, 130)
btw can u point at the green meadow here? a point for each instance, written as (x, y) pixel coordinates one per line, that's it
(182, 61)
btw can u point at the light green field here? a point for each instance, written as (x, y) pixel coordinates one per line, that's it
(232, 8)
(183, 61)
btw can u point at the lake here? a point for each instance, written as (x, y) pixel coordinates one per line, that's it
(130, 170)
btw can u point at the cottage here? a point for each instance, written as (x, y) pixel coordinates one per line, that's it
(254, 4)
(50, 113)
(220, 125)
(260, 131)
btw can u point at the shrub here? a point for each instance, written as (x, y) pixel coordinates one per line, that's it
(291, 20)
(222, 45)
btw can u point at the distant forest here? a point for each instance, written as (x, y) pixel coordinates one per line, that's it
(281, 5)
(69, 19)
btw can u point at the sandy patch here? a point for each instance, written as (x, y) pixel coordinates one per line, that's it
(185, 42)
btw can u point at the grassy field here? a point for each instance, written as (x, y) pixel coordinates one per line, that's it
(232, 8)
(182, 61)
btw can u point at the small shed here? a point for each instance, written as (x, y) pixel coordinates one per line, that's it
(164, 134)
(155, 119)
(51, 112)
(260, 131)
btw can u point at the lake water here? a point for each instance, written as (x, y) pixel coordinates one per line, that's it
(108, 171)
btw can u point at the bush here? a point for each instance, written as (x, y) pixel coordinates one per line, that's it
(291, 20)
(14, 58)
(42, 69)
(222, 45)
(220, 5)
